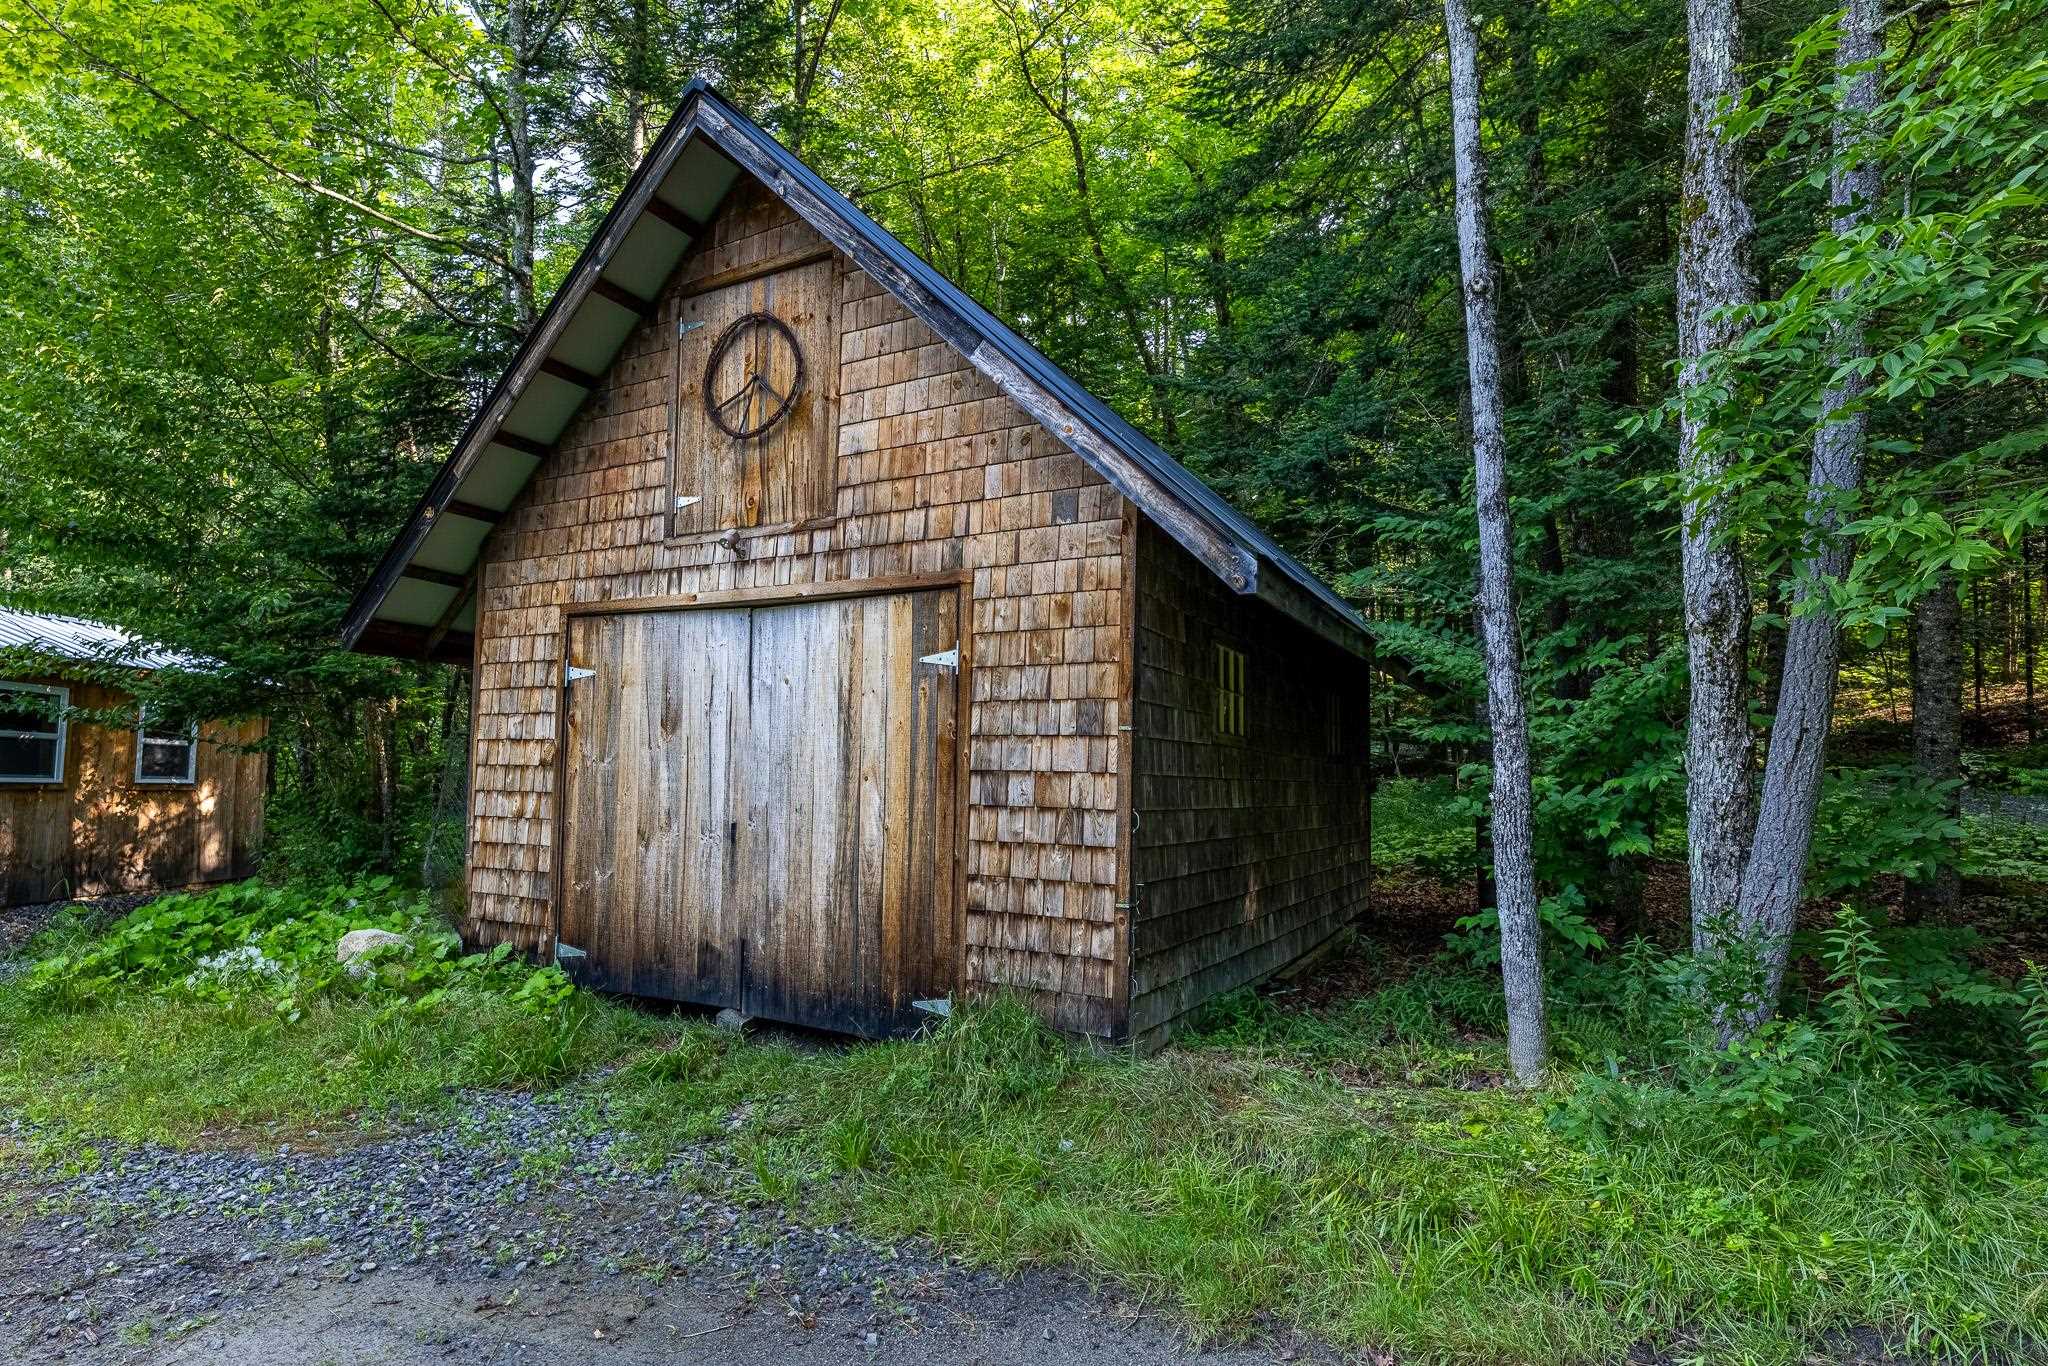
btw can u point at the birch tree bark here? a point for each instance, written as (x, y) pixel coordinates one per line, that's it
(1713, 275)
(1776, 870)
(1521, 930)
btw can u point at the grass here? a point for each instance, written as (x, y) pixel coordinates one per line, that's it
(1355, 1170)
(143, 1068)
(1239, 1180)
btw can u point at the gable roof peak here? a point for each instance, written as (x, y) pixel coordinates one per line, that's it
(420, 601)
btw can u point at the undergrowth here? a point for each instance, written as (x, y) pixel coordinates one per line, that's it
(1358, 1169)
(1361, 1171)
(227, 1010)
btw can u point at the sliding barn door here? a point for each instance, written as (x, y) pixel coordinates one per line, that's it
(761, 810)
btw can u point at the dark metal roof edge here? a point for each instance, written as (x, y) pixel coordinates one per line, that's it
(1100, 416)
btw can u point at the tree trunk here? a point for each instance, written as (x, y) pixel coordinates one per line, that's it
(1521, 929)
(1977, 648)
(380, 739)
(1938, 726)
(450, 800)
(639, 69)
(1776, 872)
(521, 45)
(2027, 627)
(1713, 276)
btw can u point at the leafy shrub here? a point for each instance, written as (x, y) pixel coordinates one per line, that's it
(250, 940)
(1422, 825)
(2024, 771)
(1879, 822)
(1995, 848)
(1901, 1017)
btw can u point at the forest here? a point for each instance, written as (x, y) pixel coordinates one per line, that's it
(1665, 381)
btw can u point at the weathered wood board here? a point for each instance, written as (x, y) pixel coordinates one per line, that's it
(759, 807)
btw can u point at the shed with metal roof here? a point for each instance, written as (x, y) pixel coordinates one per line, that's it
(89, 808)
(837, 654)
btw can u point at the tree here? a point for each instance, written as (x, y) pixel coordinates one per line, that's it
(1514, 866)
(1714, 280)
(1774, 877)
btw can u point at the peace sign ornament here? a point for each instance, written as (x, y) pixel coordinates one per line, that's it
(744, 398)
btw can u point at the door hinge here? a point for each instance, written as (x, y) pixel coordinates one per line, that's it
(564, 952)
(570, 673)
(946, 659)
(684, 329)
(684, 500)
(942, 1007)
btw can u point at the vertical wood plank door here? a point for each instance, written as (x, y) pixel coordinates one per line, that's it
(647, 803)
(784, 475)
(792, 856)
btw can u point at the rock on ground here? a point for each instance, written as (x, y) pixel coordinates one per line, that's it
(356, 943)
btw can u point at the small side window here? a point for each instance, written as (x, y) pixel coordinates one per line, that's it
(1333, 724)
(166, 756)
(32, 732)
(1229, 692)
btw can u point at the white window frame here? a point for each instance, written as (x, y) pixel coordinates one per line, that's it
(191, 739)
(63, 696)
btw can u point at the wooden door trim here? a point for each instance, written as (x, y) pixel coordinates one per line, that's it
(558, 807)
(768, 595)
(960, 583)
(747, 274)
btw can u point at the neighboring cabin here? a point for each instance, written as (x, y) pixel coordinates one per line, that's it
(835, 652)
(91, 810)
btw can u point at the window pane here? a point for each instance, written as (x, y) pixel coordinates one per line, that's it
(166, 760)
(32, 758)
(21, 711)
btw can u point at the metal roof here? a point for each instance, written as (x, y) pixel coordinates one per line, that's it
(421, 599)
(92, 642)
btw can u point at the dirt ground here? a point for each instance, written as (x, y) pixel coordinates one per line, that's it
(451, 1243)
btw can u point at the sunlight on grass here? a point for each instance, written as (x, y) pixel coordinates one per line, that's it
(150, 1068)
(1356, 1170)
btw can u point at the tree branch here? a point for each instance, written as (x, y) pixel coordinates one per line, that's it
(304, 182)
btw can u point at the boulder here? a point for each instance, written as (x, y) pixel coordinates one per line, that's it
(356, 943)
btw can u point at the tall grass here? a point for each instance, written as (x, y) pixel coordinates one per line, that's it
(1358, 1170)
(1238, 1183)
(144, 1067)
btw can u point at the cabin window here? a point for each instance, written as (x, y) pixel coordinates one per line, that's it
(32, 732)
(166, 756)
(1229, 692)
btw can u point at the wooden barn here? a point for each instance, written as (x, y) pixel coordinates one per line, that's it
(835, 654)
(93, 810)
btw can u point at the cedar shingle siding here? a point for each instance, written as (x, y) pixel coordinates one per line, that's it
(939, 579)
(1248, 851)
(937, 472)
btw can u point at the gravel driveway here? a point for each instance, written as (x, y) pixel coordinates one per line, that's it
(512, 1234)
